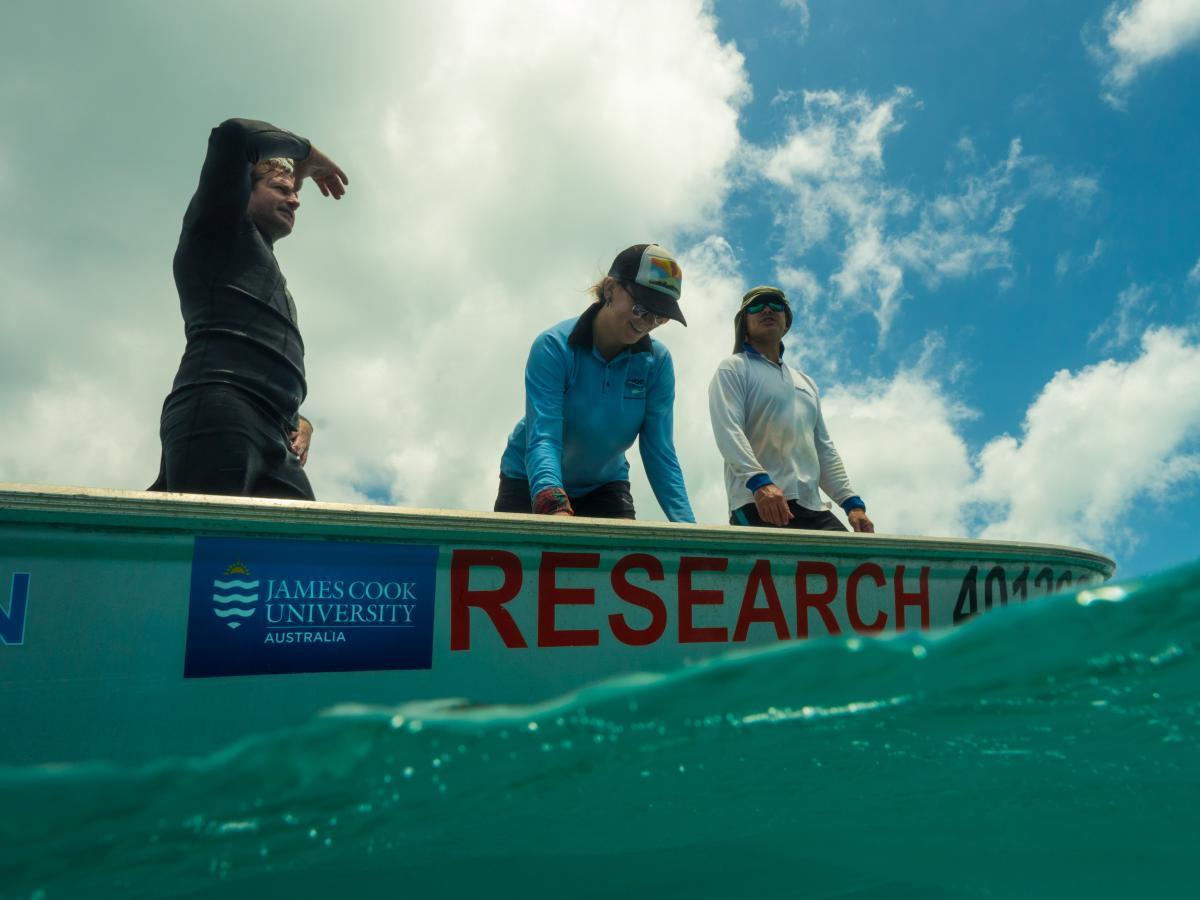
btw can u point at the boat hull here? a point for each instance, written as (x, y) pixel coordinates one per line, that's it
(142, 625)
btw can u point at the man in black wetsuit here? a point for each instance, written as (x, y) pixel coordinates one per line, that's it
(231, 424)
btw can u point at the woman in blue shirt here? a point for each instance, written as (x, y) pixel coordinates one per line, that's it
(593, 384)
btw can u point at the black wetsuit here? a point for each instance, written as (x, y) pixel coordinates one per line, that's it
(226, 423)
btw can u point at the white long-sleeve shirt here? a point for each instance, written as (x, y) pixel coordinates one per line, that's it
(767, 419)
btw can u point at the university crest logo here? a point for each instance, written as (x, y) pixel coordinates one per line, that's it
(235, 596)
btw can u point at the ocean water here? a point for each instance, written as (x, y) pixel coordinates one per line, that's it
(1043, 750)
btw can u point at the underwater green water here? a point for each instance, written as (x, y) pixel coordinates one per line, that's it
(1043, 750)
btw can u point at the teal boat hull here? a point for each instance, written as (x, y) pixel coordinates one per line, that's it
(140, 625)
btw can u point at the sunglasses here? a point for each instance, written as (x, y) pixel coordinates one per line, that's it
(758, 305)
(642, 313)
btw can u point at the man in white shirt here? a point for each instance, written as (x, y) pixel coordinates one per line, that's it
(767, 420)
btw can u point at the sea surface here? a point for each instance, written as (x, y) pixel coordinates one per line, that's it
(1042, 750)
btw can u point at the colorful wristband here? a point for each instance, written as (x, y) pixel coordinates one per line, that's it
(551, 500)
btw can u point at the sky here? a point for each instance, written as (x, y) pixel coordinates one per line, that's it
(983, 213)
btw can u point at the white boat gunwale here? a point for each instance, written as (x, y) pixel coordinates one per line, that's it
(144, 512)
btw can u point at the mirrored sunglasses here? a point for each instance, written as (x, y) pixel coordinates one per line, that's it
(758, 305)
(642, 313)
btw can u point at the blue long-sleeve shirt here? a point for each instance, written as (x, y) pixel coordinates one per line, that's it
(582, 412)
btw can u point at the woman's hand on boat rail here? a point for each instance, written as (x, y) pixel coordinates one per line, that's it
(860, 522)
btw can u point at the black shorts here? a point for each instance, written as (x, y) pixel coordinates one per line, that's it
(609, 501)
(216, 440)
(802, 517)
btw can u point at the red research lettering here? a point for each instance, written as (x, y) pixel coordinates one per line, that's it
(550, 596)
(640, 597)
(760, 578)
(491, 601)
(875, 573)
(920, 598)
(690, 597)
(820, 602)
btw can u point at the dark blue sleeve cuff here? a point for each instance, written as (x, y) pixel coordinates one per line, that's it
(854, 502)
(758, 481)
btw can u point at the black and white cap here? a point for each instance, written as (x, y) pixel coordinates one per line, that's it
(654, 278)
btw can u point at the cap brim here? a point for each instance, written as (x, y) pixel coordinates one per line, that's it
(656, 301)
(761, 293)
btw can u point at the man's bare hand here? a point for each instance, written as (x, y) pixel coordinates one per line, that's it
(772, 506)
(860, 522)
(300, 439)
(324, 171)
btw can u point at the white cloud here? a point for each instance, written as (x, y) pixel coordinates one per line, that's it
(831, 190)
(504, 203)
(73, 368)
(81, 433)
(965, 148)
(500, 154)
(799, 9)
(1194, 275)
(801, 285)
(829, 167)
(1096, 442)
(488, 156)
(1062, 265)
(900, 442)
(1140, 33)
(1176, 470)
(1127, 321)
(1066, 260)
